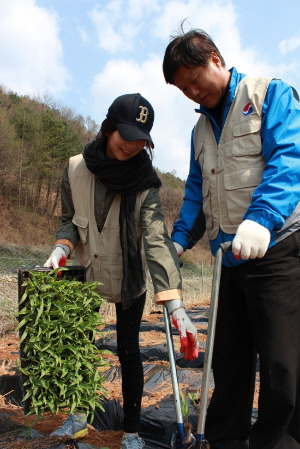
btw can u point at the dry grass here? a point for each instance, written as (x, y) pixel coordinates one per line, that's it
(5, 403)
(196, 291)
(8, 303)
(6, 366)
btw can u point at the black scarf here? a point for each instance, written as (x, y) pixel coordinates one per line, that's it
(126, 178)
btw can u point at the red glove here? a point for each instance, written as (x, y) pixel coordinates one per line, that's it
(186, 329)
(187, 332)
(57, 259)
(179, 249)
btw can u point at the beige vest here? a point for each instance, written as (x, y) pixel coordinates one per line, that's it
(233, 169)
(100, 253)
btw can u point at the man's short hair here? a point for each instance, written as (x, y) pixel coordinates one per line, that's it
(188, 50)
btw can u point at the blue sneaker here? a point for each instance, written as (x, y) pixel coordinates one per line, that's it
(132, 441)
(75, 426)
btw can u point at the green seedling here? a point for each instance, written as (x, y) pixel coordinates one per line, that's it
(30, 426)
(185, 413)
(58, 325)
(195, 398)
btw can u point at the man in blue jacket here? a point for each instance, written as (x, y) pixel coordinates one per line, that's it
(244, 186)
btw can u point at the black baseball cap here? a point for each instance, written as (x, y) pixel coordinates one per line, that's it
(134, 117)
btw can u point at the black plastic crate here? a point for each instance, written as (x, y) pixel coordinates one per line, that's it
(73, 273)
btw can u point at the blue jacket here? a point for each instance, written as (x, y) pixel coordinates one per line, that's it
(278, 195)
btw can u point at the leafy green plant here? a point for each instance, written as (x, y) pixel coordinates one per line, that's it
(60, 362)
(195, 398)
(30, 426)
(185, 413)
(184, 406)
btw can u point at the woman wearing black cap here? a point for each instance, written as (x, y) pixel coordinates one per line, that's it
(112, 217)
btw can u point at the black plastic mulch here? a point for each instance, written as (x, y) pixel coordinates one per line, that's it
(158, 423)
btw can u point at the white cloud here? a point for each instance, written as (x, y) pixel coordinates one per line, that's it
(142, 9)
(220, 20)
(174, 114)
(115, 32)
(123, 25)
(84, 36)
(221, 25)
(288, 45)
(39, 42)
(31, 59)
(212, 16)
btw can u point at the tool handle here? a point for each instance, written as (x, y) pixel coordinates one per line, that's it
(224, 247)
(174, 378)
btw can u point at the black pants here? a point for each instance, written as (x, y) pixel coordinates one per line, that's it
(259, 313)
(128, 328)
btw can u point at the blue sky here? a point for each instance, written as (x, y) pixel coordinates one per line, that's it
(82, 54)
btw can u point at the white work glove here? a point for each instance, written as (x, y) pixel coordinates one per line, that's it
(179, 249)
(251, 240)
(57, 258)
(187, 331)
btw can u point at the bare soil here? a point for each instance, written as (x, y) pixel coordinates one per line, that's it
(9, 355)
(9, 348)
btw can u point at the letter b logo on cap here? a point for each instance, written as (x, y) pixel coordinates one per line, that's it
(143, 114)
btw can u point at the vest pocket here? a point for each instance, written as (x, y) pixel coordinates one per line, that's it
(116, 270)
(82, 226)
(247, 140)
(207, 209)
(110, 275)
(239, 187)
(116, 276)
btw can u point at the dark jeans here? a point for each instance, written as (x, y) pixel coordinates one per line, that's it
(259, 313)
(128, 328)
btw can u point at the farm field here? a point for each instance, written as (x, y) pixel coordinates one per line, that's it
(105, 432)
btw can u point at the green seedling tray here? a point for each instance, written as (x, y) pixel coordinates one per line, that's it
(73, 273)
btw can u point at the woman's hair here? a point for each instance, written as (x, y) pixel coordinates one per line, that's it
(188, 50)
(108, 126)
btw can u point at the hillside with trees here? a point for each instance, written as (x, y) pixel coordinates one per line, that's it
(37, 137)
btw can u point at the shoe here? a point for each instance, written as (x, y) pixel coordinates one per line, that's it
(132, 441)
(230, 444)
(75, 426)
